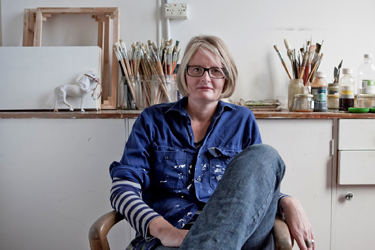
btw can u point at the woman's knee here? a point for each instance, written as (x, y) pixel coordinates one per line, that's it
(260, 156)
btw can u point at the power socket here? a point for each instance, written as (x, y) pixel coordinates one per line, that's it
(175, 10)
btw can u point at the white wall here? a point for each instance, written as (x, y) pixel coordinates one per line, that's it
(54, 181)
(1, 40)
(250, 28)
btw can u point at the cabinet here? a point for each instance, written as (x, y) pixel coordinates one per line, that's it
(352, 220)
(58, 169)
(306, 148)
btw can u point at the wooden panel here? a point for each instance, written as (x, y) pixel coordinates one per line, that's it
(356, 167)
(109, 73)
(38, 29)
(358, 134)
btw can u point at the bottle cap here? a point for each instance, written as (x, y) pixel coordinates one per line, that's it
(347, 70)
(319, 74)
(367, 56)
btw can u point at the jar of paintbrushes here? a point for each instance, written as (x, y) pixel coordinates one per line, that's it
(304, 63)
(164, 89)
(129, 93)
(148, 73)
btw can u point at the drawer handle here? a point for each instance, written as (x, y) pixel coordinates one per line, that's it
(349, 196)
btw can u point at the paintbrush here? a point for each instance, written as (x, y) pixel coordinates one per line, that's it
(174, 61)
(302, 70)
(336, 73)
(308, 66)
(120, 61)
(315, 68)
(292, 57)
(282, 61)
(126, 58)
(316, 55)
(289, 51)
(175, 48)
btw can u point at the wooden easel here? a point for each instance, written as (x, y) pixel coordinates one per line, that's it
(32, 36)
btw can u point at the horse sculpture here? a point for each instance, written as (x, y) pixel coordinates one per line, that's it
(85, 83)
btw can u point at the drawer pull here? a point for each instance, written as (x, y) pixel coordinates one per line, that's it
(349, 196)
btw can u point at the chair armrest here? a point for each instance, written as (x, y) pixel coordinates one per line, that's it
(99, 230)
(281, 235)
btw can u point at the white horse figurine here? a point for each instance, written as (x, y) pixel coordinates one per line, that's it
(85, 83)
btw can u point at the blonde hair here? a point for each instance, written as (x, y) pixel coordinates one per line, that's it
(217, 47)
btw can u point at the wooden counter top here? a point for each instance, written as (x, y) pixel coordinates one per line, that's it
(122, 114)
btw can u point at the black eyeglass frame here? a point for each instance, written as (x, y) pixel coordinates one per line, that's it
(208, 70)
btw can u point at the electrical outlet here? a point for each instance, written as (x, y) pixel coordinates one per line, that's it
(175, 10)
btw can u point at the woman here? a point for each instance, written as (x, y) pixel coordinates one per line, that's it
(170, 184)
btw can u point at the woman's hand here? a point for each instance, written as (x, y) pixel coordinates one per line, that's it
(298, 223)
(166, 233)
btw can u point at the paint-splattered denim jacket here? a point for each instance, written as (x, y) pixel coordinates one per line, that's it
(175, 176)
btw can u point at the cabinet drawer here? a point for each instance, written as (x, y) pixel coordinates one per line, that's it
(356, 167)
(356, 134)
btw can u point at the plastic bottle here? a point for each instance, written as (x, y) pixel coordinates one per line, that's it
(366, 76)
(346, 90)
(319, 90)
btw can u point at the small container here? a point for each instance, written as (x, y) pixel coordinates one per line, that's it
(295, 87)
(365, 100)
(333, 102)
(303, 103)
(333, 89)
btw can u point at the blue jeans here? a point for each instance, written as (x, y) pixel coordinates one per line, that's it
(241, 212)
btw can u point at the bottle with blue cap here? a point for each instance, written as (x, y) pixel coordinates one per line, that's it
(319, 90)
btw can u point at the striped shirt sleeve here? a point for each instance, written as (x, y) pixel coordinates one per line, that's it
(126, 199)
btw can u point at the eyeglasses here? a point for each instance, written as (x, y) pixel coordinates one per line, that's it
(198, 71)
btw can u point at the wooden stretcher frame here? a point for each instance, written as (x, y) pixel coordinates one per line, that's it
(32, 36)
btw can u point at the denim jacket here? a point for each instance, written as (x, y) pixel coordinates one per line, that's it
(176, 177)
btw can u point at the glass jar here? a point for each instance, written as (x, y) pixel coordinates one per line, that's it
(145, 90)
(333, 102)
(333, 89)
(295, 87)
(303, 103)
(164, 89)
(127, 93)
(365, 100)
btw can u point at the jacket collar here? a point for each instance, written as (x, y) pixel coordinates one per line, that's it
(180, 105)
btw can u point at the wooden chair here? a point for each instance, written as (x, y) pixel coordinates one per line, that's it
(100, 228)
